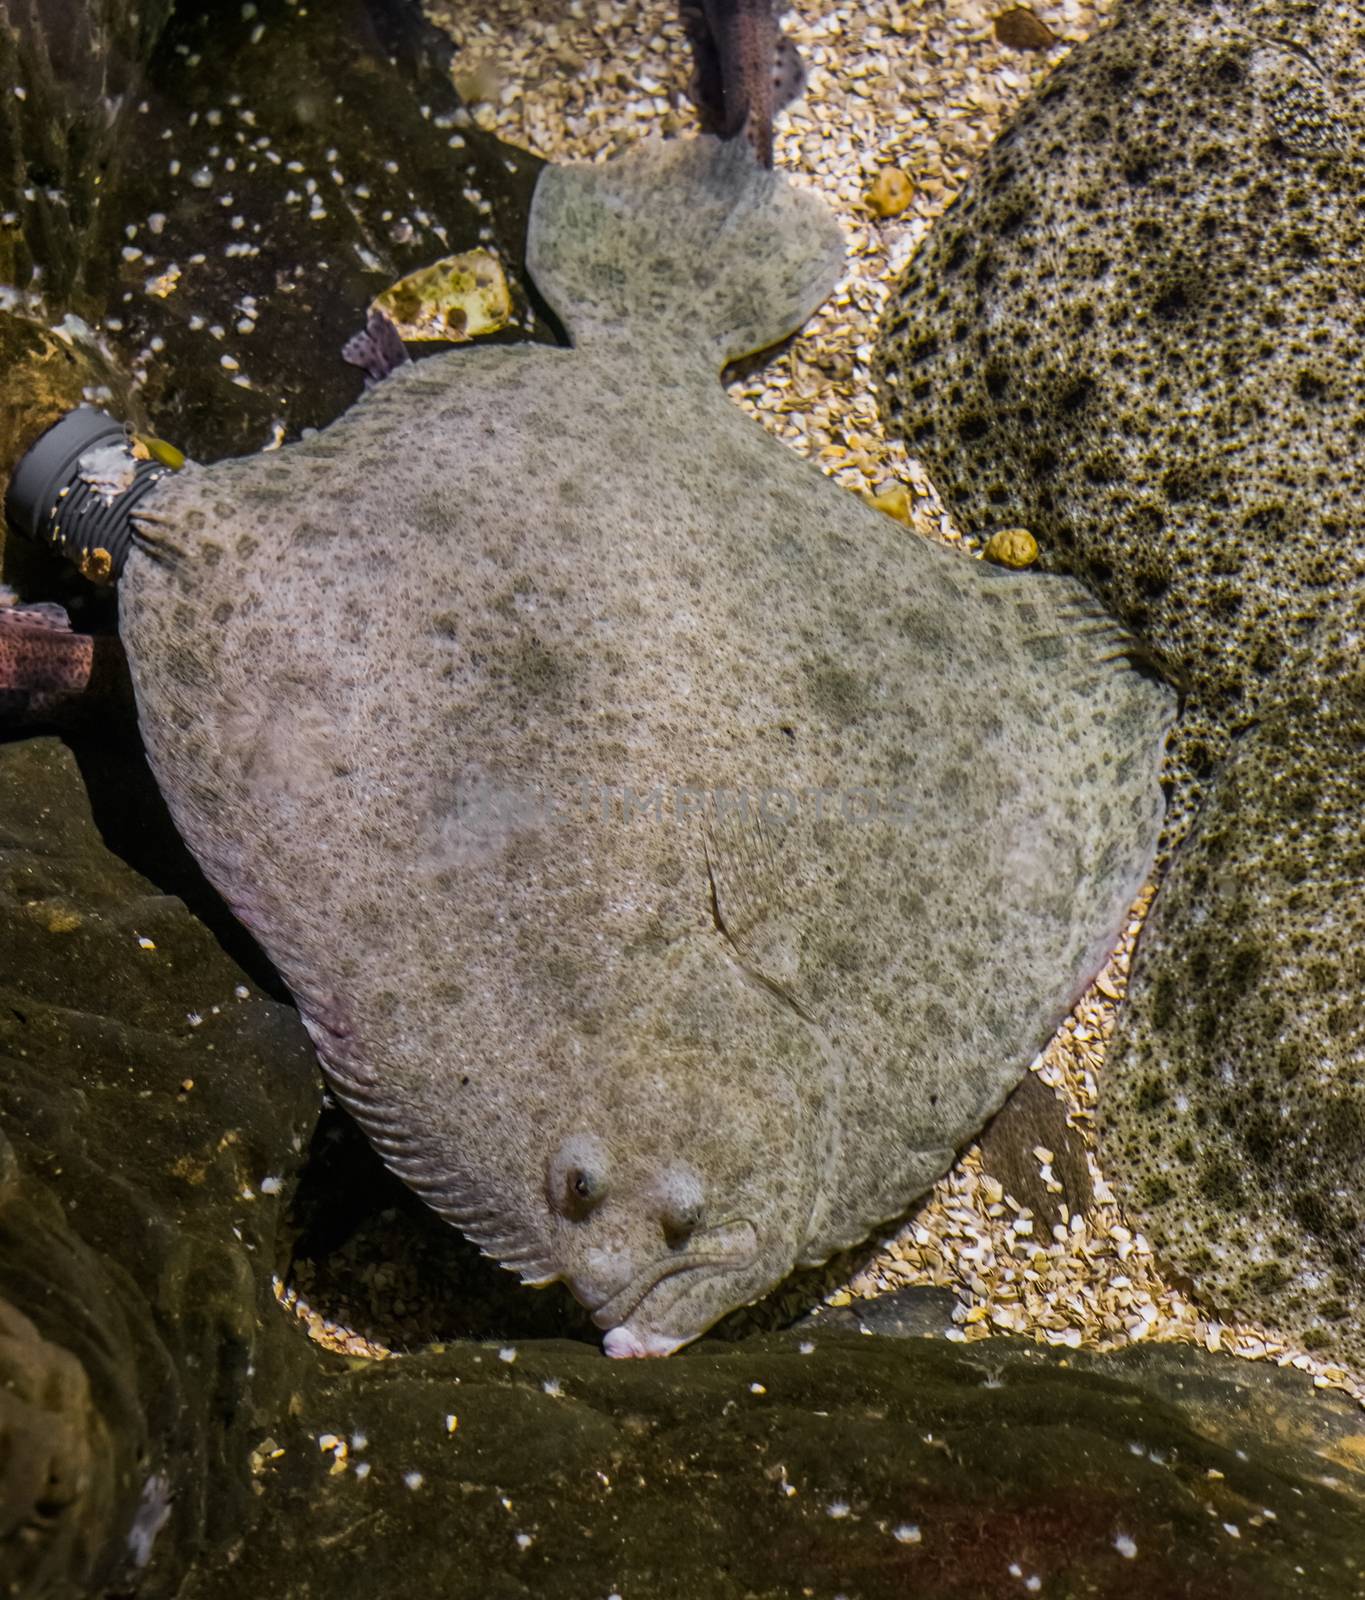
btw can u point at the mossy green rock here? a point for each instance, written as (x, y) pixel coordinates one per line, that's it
(838, 1464)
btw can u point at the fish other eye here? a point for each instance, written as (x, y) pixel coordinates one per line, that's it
(679, 1225)
(576, 1178)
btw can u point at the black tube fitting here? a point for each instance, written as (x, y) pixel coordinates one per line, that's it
(53, 498)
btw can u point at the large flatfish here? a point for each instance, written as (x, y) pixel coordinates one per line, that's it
(673, 859)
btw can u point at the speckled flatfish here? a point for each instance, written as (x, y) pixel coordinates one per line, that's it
(1234, 1104)
(674, 860)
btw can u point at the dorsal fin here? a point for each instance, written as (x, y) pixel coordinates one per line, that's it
(689, 243)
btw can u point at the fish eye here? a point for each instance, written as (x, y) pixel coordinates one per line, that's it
(576, 1176)
(583, 1186)
(681, 1205)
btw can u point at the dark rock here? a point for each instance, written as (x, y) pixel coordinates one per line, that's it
(868, 1466)
(914, 1311)
(321, 154)
(259, 109)
(136, 1240)
(1033, 1116)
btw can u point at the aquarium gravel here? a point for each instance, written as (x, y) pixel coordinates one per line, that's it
(901, 100)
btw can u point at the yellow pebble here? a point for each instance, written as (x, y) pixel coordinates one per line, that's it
(97, 565)
(889, 193)
(1011, 547)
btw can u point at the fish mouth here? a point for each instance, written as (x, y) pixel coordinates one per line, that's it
(728, 1244)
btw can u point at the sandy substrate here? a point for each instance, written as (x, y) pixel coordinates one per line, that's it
(915, 90)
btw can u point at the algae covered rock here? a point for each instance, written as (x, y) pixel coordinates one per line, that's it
(836, 1462)
(1137, 332)
(1233, 1108)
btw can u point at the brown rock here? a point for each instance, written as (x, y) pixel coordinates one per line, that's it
(1035, 1116)
(1019, 28)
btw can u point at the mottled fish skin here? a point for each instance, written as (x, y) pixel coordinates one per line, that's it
(377, 349)
(45, 668)
(650, 1047)
(1191, 175)
(1234, 1104)
(746, 68)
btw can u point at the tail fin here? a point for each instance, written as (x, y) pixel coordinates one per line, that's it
(689, 242)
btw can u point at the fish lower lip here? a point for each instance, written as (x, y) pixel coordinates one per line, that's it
(625, 1302)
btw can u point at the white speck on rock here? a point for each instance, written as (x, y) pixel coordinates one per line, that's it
(153, 1509)
(1125, 1545)
(508, 1353)
(414, 1480)
(906, 1533)
(838, 1509)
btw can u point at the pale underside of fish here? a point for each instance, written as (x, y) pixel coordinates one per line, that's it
(674, 859)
